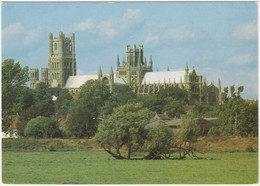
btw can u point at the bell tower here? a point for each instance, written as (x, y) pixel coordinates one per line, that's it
(61, 59)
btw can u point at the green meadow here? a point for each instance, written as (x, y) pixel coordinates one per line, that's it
(97, 167)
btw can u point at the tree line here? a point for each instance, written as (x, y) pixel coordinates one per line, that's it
(119, 118)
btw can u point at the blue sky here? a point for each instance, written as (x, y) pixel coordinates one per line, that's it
(218, 38)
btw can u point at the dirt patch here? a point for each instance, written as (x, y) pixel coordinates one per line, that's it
(226, 144)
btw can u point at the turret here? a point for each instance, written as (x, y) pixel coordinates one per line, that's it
(100, 73)
(151, 62)
(50, 44)
(168, 68)
(34, 77)
(73, 55)
(156, 69)
(145, 63)
(111, 79)
(118, 62)
(139, 71)
(186, 76)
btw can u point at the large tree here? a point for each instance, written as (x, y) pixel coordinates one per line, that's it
(86, 109)
(14, 79)
(237, 116)
(126, 126)
(187, 135)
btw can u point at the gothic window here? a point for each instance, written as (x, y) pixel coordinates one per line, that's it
(105, 80)
(55, 46)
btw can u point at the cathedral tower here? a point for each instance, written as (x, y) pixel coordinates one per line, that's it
(61, 59)
(133, 71)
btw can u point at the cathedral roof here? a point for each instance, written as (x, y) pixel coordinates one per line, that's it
(77, 81)
(161, 77)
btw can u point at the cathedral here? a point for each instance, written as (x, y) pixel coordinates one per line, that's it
(134, 71)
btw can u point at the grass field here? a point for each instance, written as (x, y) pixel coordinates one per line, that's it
(93, 166)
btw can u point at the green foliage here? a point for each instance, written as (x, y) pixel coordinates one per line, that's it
(213, 131)
(120, 96)
(151, 102)
(124, 127)
(81, 124)
(206, 110)
(249, 149)
(170, 100)
(189, 129)
(42, 127)
(86, 109)
(62, 103)
(159, 141)
(237, 116)
(14, 78)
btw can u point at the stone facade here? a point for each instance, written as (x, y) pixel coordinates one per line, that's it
(61, 63)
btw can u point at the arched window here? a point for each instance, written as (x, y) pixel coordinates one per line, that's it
(55, 46)
(105, 80)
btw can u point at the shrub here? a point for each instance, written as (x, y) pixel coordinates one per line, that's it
(42, 127)
(213, 131)
(250, 149)
(159, 141)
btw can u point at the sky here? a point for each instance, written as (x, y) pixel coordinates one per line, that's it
(220, 39)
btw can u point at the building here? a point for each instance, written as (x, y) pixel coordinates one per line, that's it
(135, 72)
(61, 63)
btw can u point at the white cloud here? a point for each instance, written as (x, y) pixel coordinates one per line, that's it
(84, 25)
(17, 37)
(130, 18)
(108, 28)
(151, 39)
(12, 31)
(180, 34)
(241, 59)
(112, 26)
(247, 31)
(32, 36)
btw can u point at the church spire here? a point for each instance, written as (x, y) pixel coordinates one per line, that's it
(151, 61)
(111, 71)
(118, 62)
(99, 72)
(186, 68)
(145, 63)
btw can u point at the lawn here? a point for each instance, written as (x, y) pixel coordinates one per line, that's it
(92, 166)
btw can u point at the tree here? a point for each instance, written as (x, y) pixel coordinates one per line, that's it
(187, 134)
(159, 141)
(81, 124)
(120, 96)
(237, 116)
(86, 109)
(62, 103)
(42, 127)
(124, 127)
(14, 78)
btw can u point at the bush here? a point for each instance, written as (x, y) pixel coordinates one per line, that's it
(213, 131)
(159, 141)
(42, 127)
(250, 149)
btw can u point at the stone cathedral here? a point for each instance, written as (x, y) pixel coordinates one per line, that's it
(133, 71)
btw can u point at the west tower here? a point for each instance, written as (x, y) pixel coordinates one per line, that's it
(61, 59)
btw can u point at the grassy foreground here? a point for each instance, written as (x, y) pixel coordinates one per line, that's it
(92, 166)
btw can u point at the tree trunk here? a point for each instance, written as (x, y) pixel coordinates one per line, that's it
(129, 151)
